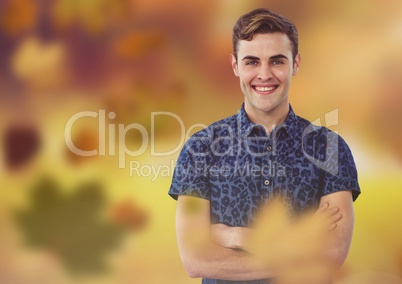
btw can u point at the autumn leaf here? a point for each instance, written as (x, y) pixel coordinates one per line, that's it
(70, 225)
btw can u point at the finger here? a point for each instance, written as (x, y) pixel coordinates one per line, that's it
(322, 215)
(328, 213)
(332, 211)
(334, 219)
(332, 227)
(327, 220)
(321, 209)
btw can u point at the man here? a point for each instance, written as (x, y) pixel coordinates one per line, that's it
(228, 172)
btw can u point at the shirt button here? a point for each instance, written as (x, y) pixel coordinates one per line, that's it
(266, 182)
(269, 148)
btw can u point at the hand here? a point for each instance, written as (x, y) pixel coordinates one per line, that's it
(327, 216)
(304, 243)
(312, 229)
(279, 239)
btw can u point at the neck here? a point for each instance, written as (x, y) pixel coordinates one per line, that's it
(269, 119)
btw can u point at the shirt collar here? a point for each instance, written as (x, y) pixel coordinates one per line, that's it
(246, 125)
(290, 125)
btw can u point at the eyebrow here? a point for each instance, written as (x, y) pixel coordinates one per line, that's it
(277, 56)
(250, 57)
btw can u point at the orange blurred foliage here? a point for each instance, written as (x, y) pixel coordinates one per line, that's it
(93, 17)
(18, 16)
(137, 44)
(84, 140)
(129, 215)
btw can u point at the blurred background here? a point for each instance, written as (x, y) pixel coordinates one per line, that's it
(107, 218)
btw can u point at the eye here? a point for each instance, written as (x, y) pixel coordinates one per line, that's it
(252, 62)
(277, 62)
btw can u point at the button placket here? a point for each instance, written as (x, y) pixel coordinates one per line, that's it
(268, 147)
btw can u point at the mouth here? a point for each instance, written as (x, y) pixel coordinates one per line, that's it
(265, 90)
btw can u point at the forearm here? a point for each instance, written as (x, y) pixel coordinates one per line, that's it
(202, 256)
(231, 237)
(316, 257)
(214, 261)
(311, 264)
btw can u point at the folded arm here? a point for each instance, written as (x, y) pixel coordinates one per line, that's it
(201, 256)
(321, 239)
(219, 251)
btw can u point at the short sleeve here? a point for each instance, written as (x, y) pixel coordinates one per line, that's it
(190, 176)
(339, 170)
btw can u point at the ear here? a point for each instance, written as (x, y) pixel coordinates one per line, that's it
(233, 62)
(296, 64)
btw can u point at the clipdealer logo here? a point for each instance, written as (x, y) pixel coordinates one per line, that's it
(119, 134)
(107, 142)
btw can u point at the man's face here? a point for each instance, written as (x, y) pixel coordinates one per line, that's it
(265, 67)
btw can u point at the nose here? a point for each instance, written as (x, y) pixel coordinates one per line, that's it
(264, 72)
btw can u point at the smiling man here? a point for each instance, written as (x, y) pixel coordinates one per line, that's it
(265, 66)
(228, 174)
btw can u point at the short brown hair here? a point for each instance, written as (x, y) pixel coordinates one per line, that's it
(262, 21)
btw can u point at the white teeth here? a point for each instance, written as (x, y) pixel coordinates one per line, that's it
(264, 89)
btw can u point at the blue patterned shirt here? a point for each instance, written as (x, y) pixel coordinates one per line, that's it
(235, 165)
